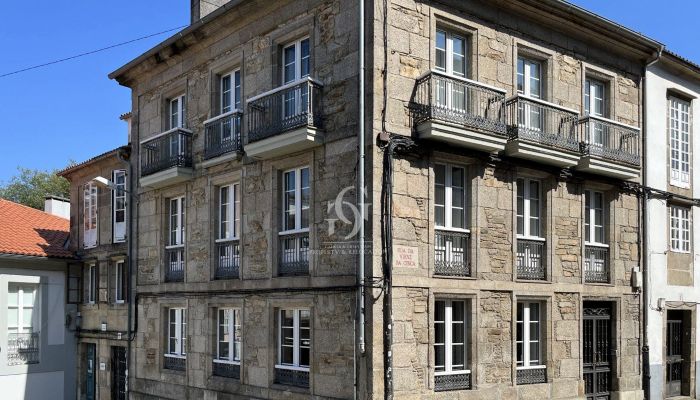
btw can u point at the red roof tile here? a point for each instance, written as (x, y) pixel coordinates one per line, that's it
(27, 231)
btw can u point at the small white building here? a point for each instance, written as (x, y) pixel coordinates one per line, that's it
(672, 118)
(37, 342)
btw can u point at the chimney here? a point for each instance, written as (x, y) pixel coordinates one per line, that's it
(57, 206)
(126, 117)
(202, 8)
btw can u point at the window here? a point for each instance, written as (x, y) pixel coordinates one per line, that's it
(120, 281)
(177, 111)
(119, 205)
(177, 221)
(74, 283)
(529, 78)
(92, 283)
(229, 335)
(90, 215)
(680, 229)
(294, 339)
(451, 337)
(595, 98)
(230, 92)
(177, 332)
(296, 65)
(450, 197)
(229, 212)
(450, 53)
(528, 208)
(175, 250)
(595, 222)
(528, 340)
(22, 308)
(297, 196)
(679, 132)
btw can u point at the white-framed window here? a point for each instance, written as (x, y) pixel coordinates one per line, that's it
(680, 229)
(294, 339)
(92, 283)
(679, 132)
(176, 111)
(228, 347)
(229, 212)
(176, 212)
(89, 215)
(529, 77)
(528, 341)
(22, 308)
(296, 200)
(450, 197)
(296, 64)
(119, 205)
(451, 336)
(177, 332)
(595, 217)
(594, 98)
(230, 86)
(120, 281)
(529, 208)
(450, 53)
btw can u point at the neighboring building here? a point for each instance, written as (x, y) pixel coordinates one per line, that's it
(101, 280)
(37, 342)
(673, 242)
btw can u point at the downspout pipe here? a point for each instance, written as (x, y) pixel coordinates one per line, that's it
(129, 255)
(361, 205)
(646, 367)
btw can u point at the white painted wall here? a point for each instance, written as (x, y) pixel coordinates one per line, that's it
(658, 82)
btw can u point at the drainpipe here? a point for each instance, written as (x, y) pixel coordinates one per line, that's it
(646, 368)
(361, 203)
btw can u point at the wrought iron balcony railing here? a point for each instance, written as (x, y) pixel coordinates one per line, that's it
(23, 348)
(454, 381)
(294, 254)
(452, 251)
(226, 369)
(292, 377)
(541, 122)
(530, 260)
(174, 363)
(222, 134)
(596, 266)
(460, 101)
(167, 150)
(609, 139)
(530, 376)
(228, 260)
(288, 107)
(175, 264)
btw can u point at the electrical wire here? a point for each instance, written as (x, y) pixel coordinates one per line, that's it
(89, 52)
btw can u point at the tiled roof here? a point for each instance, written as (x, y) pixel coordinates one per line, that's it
(72, 168)
(30, 232)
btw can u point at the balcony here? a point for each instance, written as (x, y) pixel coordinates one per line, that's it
(452, 253)
(228, 260)
(175, 264)
(596, 267)
(226, 369)
(459, 111)
(530, 260)
(609, 148)
(292, 377)
(294, 254)
(453, 381)
(542, 132)
(174, 363)
(285, 120)
(222, 138)
(23, 348)
(166, 159)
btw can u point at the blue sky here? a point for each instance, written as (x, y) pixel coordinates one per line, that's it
(71, 110)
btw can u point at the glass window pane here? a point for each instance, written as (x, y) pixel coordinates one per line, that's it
(440, 50)
(458, 356)
(439, 358)
(12, 317)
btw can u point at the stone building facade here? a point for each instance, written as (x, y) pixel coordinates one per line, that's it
(99, 282)
(515, 216)
(672, 90)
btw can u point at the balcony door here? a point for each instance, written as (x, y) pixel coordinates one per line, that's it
(530, 85)
(230, 86)
(296, 65)
(176, 143)
(595, 106)
(451, 59)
